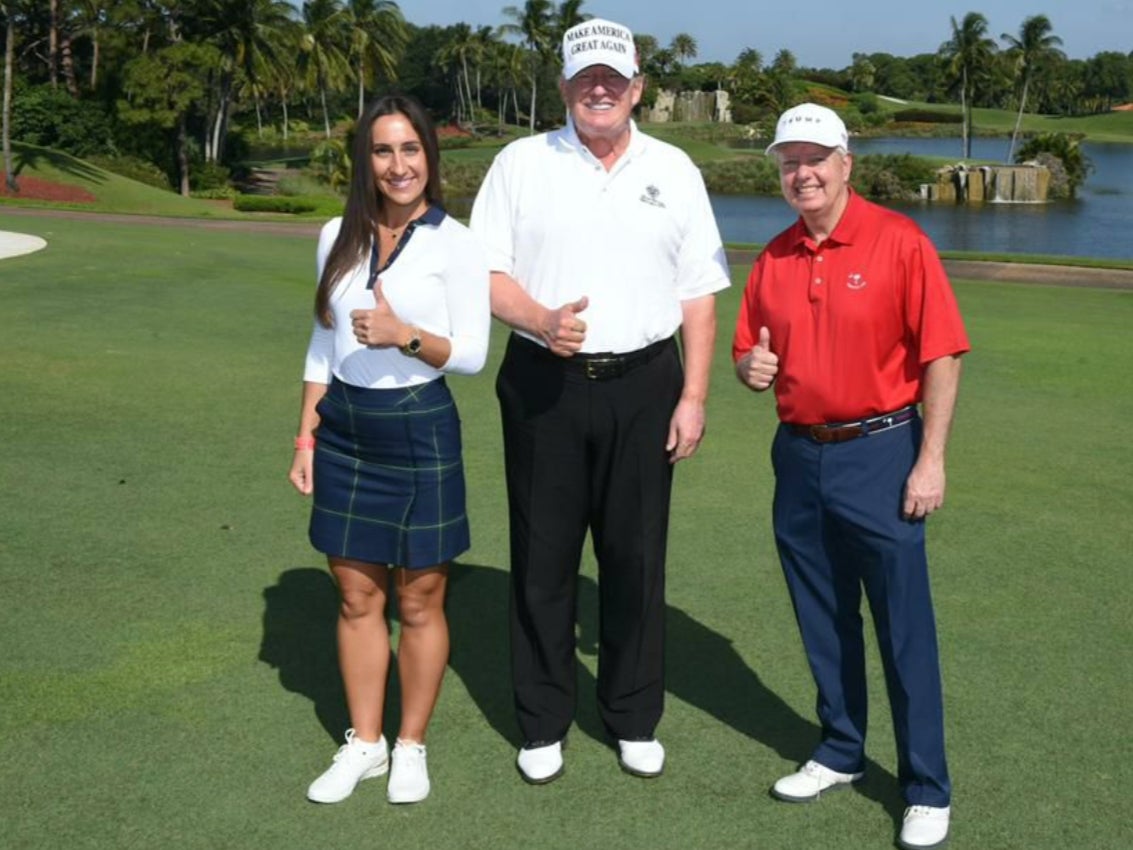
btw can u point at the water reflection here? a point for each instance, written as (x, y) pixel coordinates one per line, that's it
(1096, 224)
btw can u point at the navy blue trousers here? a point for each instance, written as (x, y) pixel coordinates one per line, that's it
(838, 527)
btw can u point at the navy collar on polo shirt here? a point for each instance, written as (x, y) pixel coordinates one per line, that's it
(432, 216)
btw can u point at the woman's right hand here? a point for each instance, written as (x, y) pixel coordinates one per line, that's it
(302, 467)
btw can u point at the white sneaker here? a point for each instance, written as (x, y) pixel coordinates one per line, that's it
(924, 827)
(354, 761)
(642, 758)
(540, 765)
(409, 775)
(810, 781)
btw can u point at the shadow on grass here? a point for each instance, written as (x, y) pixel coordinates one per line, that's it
(300, 614)
(30, 156)
(702, 666)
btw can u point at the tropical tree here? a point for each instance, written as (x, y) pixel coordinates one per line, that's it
(1065, 149)
(533, 22)
(1107, 79)
(968, 56)
(322, 58)
(247, 35)
(683, 46)
(508, 64)
(164, 88)
(8, 12)
(863, 73)
(784, 63)
(568, 14)
(377, 36)
(1034, 46)
(463, 45)
(88, 19)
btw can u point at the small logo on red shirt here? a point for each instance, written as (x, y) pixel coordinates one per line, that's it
(855, 281)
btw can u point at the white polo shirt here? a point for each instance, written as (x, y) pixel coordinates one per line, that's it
(636, 240)
(438, 281)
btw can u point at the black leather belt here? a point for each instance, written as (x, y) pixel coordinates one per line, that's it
(840, 432)
(599, 366)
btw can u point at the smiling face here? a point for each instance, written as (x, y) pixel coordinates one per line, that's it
(600, 101)
(401, 169)
(815, 182)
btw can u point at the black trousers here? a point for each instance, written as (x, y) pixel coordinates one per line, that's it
(587, 454)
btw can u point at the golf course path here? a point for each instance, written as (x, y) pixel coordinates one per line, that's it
(972, 269)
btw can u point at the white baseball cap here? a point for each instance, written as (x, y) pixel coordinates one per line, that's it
(599, 42)
(809, 122)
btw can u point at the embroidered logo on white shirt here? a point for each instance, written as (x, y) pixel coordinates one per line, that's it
(652, 193)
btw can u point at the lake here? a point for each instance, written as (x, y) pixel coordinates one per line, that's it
(1096, 224)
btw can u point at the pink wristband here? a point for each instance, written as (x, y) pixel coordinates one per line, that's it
(304, 444)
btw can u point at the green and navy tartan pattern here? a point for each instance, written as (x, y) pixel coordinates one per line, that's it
(388, 475)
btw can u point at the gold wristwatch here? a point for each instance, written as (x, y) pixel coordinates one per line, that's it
(413, 347)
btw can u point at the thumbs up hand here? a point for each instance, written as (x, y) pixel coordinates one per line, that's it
(562, 329)
(759, 367)
(379, 326)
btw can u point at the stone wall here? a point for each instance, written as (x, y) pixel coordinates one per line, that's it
(690, 106)
(1027, 183)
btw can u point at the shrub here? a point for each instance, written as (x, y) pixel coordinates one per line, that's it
(273, 203)
(51, 118)
(746, 113)
(463, 179)
(330, 163)
(220, 193)
(927, 116)
(207, 176)
(751, 175)
(1075, 165)
(891, 176)
(134, 168)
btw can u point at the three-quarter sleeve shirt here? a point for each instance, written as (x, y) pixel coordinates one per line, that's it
(437, 279)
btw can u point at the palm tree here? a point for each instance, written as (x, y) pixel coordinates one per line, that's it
(89, 17)
(533, 22)
(8, 12)
(1034, 46)
(463, 45)
(785, 63)
(377, 34)
(568, 14)
(968, 55)
(247, 33)
(323, 49)
(683, 46)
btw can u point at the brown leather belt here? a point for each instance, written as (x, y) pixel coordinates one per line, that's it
(600, 366)
(840, 432)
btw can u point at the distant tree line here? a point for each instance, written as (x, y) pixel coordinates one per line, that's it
(187, 85)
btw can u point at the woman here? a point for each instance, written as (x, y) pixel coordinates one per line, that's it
(402, 300)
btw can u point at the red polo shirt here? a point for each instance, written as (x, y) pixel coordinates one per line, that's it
(854, 319)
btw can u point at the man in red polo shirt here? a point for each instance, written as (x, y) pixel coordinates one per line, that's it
(849, 315)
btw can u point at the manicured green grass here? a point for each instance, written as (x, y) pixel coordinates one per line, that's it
(117, 194)
(168, 670)
(1103, 127)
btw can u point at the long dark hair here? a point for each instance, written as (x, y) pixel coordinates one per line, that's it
(360, 218)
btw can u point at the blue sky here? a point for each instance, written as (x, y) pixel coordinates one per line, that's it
(822, 33)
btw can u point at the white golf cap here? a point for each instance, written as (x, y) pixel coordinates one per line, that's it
(809, 122)
(599, 42)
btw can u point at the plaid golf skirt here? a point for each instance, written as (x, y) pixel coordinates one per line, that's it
(388, 476)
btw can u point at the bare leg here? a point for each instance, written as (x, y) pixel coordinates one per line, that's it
(363, 642)
(422, 652)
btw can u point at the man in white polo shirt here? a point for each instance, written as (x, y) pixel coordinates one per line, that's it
(602, 244)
